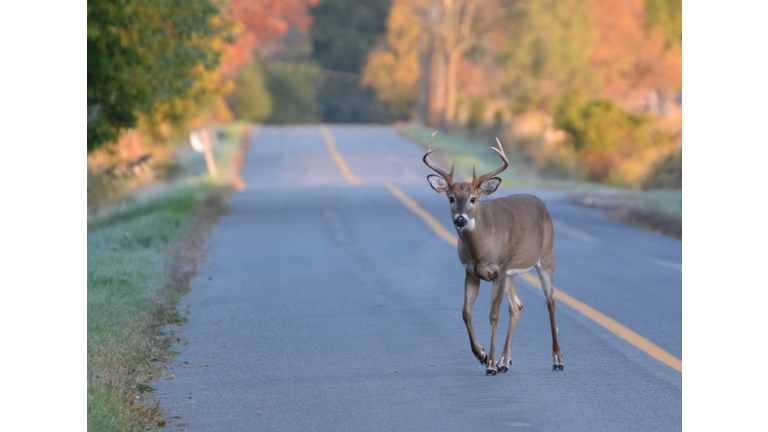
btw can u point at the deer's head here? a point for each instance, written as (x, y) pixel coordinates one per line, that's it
(464, 197)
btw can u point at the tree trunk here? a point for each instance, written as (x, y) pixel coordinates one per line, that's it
(450, 99)
(426, 51)
(437, 90)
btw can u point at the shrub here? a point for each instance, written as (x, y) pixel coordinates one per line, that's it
(293, 89)
(666, 173)
(250, 101)
(609, 141)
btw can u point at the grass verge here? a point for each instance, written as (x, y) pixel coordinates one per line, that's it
(656, 210)
(141, 257)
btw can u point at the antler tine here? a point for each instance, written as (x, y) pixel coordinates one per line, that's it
(448, 177)
(505, 163)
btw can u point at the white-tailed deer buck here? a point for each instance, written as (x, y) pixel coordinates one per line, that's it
(498, 240)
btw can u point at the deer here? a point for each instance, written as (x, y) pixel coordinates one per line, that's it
(498, 239)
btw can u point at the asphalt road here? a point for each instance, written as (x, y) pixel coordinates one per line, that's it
(329, 306)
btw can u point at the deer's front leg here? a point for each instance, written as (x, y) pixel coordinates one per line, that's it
(496, 296)
(471, 288)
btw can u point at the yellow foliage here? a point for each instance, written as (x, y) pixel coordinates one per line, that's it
(392, 68)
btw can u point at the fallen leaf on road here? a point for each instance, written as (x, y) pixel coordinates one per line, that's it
(392, 371)
(161, 423)
(193, 366)
(433, 365)
(170, 377)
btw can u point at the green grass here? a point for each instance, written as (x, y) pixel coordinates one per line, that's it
(132, 290)
(128, 297)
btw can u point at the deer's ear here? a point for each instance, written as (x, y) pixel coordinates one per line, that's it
(489, 186)
(438, 184)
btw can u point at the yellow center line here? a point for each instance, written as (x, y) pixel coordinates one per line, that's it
(620, 330)
(331, 144)
(423, 214)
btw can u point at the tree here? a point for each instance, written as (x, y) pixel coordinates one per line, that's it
(343, 33)
(392, 68)
(143, 55)
(629, 54)
(260, 21)
(250, 100)
(666, 15)
(425, 42)
(547, 53)
(293, 89)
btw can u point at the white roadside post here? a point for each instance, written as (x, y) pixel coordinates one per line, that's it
(200, 140)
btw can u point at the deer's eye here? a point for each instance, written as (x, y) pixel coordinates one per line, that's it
(472, 200)
(451, 200)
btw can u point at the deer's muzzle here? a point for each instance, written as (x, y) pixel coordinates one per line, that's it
(460, 221)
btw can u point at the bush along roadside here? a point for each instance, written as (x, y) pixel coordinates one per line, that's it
(141, 257)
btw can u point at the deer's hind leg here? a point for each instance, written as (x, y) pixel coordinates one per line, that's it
(497, 295)
(515, 306)
(546, 270)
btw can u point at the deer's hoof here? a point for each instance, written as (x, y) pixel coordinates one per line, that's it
(489, 372)
(484, 361)
(557, 367)
(503, 369)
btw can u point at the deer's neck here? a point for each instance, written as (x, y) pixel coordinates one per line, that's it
(475, 234)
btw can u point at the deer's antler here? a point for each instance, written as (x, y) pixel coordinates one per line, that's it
(505, 163)
(448, 177)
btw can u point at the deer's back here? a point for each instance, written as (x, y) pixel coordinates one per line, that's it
(529, 224)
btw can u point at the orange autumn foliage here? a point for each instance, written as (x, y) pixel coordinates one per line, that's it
(626, 55)
(261, 20)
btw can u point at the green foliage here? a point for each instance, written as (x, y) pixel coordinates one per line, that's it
(343, 33)
(250, 101)
(547, 52)
(602, 133)
(667, 15)
(476, 111)
(141, 52)
(293, 90)
(597, 125)
(666, 173)
(343, 101)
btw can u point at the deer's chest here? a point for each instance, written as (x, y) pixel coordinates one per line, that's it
(484, 271)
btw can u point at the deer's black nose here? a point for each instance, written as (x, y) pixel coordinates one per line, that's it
(460, 221)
